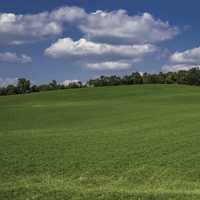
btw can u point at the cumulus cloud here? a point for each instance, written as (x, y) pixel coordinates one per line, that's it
(4, 82)
(175, 68)
(109, 65)
(9, 57)
(185, 60)
(110, 40)
(188, 56)
(99, 55)
(119, 27)
(115, 26)
(68, 14)
(84, 49)
(18, 29)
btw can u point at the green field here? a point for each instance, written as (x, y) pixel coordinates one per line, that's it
(127, 142)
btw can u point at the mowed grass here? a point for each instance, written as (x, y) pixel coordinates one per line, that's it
(127, 142)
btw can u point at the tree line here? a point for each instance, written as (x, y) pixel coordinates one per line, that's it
(24, 86)
(190, 77)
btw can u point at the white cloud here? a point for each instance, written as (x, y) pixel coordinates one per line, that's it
(68, 82)
(111, 40)
(175, 68)
(109, 65)
(67, 48)
(18, 29)
(116, 26)
(119, 27)
(99, 55)
(4, 82)
(185, 60)
(9, 57)
(188, 56)
(68, 14)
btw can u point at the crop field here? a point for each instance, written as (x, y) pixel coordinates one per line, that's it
(109, 143)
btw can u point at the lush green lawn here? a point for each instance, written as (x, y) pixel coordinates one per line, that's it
(135, 142)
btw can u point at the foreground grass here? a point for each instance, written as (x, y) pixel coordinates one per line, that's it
(129, 142)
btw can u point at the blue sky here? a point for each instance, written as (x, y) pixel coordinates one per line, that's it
(82, 39)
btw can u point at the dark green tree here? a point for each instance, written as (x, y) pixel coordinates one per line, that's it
(23, 86)
(11, 90)
(35, 88)
(193, 76)
(53, 84)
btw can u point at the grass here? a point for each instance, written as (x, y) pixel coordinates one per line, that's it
(127, 142)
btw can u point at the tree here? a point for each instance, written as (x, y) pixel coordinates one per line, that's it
(161, 78)
(35, 88)
(53, 84)
(182, 77)
(171, 77)
(3, 91)
(146, 78)
(11, 90)
(23, 86)
(136, 78)
(193, 76)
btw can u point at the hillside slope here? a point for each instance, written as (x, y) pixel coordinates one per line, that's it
(127, 142)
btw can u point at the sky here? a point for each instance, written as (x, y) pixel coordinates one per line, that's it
(83, 39)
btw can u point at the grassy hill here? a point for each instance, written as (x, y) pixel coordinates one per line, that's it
(129, 142)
